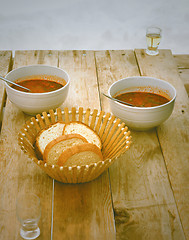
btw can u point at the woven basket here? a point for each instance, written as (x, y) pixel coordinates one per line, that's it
(114, 135)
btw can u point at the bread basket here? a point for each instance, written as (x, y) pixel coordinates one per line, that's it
(114, 135)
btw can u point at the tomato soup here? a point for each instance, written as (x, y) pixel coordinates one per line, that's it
(38, 85)
(142, 99)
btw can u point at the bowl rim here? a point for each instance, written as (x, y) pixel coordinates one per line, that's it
(142, 108)
(37, 94)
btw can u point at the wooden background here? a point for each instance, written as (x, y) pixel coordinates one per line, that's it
(144, 195)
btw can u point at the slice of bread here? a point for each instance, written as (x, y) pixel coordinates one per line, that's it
(83, 154)
(55, 148)
(84, 130)
(47, 135)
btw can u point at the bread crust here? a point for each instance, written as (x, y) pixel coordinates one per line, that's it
(60, 139)
(90, 129)
(77, 149)
(36, 144)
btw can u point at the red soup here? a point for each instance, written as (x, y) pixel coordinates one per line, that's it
(142, 99)
(38, 85)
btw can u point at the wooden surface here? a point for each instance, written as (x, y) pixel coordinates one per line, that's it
(182, 62)
(5, 66)
(143, 195)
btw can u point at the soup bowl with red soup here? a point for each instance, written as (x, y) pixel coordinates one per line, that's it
(48, 87)
(147, 101)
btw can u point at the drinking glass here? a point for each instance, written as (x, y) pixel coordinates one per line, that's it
(28, 211)
(153, 38)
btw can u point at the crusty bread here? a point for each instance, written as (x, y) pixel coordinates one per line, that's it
(84, 130)
(54, 149)
(47, 135)
(83, 154)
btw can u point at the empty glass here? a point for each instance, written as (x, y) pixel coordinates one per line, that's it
(153, 38)
(28, 211)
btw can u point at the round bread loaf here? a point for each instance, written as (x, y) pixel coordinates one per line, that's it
(57, 146)
(83, 154)
(84, 130)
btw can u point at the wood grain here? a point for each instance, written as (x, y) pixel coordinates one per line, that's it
(143, 200)
(144, 194)
(5, 65)
(184, 75)
(83, 91)
(112, 66)
(20, 173)
(182, 62)
(173, 134)
(82, 211)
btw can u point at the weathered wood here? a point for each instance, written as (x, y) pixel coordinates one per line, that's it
(182, 62)
(31, 57)
(112, 66)
(82, 211)
(20, 174)
(184, 75)
(5, 65)
(83, 91)
(147, 189)
(173, 133)
(143, 201)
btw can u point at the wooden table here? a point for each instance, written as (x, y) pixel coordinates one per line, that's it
(143, 195)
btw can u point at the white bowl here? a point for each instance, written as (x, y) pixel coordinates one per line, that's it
(142, 118)
(33, 103)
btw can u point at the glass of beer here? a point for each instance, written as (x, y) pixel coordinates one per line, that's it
(153, 38)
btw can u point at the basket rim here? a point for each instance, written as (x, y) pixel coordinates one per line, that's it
(43, 115)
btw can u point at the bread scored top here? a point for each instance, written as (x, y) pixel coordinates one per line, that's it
(57, 146)
(83, 154)
(84, 130)
(47, 135)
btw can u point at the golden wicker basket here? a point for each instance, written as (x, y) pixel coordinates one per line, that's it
(114, 135)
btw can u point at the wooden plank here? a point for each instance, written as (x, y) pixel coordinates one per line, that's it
(5, 65)
(80, 66)
(173, 133)
(18, 172)
(31, 57)
(184, 75)
(82, 211)
(182, 62)
(111, 66)
(143, 200)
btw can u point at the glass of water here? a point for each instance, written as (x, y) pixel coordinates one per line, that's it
(28, 211)
(153, 38)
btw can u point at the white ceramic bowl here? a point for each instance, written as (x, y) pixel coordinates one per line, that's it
(33, 103)
(142, 118)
